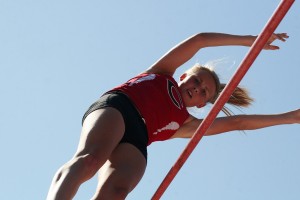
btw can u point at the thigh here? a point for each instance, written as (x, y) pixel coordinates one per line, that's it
(121, 173)
(101, 132)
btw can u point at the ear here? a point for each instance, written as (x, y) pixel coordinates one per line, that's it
(183, 76)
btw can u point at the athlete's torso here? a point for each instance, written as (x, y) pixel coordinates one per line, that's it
(158, 99)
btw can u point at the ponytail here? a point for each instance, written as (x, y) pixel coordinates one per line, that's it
(239, 98)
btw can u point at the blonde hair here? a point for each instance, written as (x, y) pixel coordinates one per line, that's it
(239, 98)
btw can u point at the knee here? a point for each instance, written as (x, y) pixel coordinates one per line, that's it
(88, 163)
(83, 165)
(112, 192)
(121, 192)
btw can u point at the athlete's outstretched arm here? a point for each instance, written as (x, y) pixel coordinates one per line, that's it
(239, 122)
(185, 50)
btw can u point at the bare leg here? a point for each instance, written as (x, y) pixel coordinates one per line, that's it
(101, 133)
(121, 173)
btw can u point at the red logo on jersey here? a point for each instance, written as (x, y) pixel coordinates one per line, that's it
(174, 94)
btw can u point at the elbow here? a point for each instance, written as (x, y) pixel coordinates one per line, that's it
(202, 39)
(209, 39)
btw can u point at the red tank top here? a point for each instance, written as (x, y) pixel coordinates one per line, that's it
(158, 99)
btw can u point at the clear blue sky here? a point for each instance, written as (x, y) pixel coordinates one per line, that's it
(57, 57)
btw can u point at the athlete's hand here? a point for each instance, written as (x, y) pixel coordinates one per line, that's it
(275, 36)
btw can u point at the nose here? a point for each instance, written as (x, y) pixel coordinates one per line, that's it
(196, 89)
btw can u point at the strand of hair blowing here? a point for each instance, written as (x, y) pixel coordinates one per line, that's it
(239, 98)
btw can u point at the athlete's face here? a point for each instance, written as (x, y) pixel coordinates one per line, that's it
(197, 89)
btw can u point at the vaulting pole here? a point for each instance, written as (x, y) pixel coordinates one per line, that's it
(255, 49)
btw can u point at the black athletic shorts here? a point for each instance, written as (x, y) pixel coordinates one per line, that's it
(135, 128)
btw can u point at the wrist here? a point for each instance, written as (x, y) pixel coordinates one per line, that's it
(288, 118)
(250, 40)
